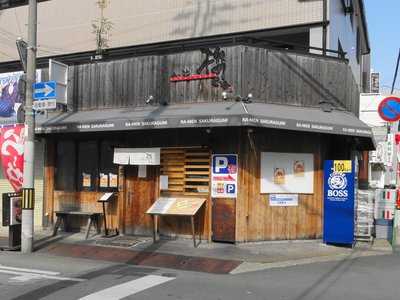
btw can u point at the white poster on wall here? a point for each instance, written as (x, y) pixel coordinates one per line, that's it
(287, 173)
(163, 182)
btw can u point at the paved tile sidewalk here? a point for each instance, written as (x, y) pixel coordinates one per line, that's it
(207, 257)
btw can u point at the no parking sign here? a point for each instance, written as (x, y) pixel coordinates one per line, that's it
(389, 109)
(224, 176)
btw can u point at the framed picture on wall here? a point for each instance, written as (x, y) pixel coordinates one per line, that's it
(103, 180)
(287, 173)
(113, 180)
(86, 180)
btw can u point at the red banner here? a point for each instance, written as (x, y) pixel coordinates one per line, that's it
(397, 138)
(12, 154)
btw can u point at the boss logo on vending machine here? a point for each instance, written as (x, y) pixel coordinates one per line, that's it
(337, 185)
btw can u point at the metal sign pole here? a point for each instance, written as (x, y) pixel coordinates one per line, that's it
(28, 184)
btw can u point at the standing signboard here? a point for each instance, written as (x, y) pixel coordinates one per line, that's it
(339, 178)
(165, 206)
(224, 176)
(12, 217)
(12, 212)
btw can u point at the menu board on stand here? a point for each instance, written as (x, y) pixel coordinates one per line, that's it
(166, 206)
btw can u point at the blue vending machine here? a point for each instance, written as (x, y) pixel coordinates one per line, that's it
(339, 193)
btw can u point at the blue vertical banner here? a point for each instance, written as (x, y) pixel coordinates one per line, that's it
(339, 179)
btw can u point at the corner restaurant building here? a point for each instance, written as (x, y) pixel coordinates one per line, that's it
(302, 112)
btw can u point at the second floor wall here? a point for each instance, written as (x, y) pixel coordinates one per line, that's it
(271, 76)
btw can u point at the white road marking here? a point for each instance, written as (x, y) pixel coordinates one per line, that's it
(2, 267)
(128, 288)
(24, 275)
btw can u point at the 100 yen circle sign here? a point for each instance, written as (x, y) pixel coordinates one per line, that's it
(389, 109)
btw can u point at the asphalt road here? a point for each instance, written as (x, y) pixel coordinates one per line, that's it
(42, 276)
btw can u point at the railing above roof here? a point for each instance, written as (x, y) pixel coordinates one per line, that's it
(179, 46)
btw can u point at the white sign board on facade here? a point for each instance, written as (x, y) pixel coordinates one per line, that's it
(142, 171)
(283, 200)
(375, 86)
(137, 156)
(58, 72)
(224, 176)
(378, 155)
(389, 150)
(369, 104)
(285, 173)
(121, 157)
(44, 104)
(163, 182)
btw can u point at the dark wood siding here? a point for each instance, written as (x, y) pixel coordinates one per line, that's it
(250, 213)
(255, 218)
(271, 76)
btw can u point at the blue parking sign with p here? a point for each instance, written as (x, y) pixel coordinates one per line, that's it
(222, 164)
(231, 188)
(224, 176)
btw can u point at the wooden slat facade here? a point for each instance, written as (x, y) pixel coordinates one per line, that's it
(247, 218)
(256, 220)
(271, 76)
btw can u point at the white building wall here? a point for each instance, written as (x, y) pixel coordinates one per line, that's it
(65, 26)
(341, 28)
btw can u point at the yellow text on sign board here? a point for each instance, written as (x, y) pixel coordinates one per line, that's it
(342, 166)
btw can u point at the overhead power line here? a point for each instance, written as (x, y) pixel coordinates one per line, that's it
(395, 72)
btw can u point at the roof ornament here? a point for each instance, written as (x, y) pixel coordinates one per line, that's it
(101, 28)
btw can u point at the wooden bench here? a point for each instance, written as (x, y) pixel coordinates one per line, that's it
(92, 219)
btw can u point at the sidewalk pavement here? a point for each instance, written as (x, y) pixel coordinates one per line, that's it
(206, 257)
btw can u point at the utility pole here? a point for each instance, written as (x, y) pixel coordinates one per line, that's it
(395, 73)
(28, 191)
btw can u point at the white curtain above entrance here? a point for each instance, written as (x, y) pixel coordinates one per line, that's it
(137, 156)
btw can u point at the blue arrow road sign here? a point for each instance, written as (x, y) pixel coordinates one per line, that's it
(44, 90)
